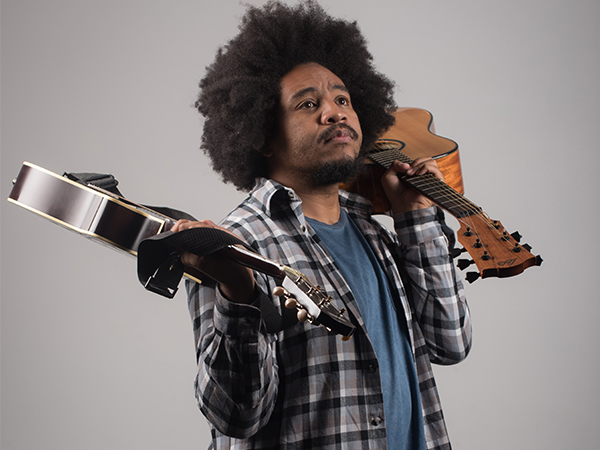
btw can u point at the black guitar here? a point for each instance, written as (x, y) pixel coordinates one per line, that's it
(122, 225)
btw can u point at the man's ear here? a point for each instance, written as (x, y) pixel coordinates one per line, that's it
(269, 149)
(273, 142)
(267, 152)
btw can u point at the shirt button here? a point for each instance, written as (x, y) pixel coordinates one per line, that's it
(371, 368)
(375, 421)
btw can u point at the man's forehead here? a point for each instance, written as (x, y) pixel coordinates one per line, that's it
(313, 89)
(309, 78)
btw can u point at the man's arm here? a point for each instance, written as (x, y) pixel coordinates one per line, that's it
(436, 292)
(237, 378)
(236, 384)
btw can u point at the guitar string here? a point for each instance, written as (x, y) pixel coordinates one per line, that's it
(472, 222)
(428, 183)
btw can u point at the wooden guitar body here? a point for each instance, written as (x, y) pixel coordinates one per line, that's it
(414, 132)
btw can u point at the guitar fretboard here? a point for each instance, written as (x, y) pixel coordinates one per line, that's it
(430, 186)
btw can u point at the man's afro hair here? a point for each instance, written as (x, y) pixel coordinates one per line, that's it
(240, 92)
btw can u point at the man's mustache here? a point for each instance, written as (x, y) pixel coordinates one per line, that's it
(329, 132)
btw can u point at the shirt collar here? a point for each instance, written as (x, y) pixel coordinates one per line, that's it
(272, 195)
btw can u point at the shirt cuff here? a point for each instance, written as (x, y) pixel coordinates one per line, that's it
(419, 226)
(236, 320)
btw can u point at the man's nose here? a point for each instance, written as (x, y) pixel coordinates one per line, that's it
(332, 113)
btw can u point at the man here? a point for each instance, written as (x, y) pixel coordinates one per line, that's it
(291, 103)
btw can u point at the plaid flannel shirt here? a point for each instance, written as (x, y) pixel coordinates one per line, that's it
(304, 387)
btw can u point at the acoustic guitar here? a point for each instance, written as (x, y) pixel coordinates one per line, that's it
(112, 220)
(495, 252)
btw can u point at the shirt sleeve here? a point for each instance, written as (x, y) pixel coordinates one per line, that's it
(236, 384)
(433, 287)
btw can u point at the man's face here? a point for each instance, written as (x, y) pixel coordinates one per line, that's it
(319, 137)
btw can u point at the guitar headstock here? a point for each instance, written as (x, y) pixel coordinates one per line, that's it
(313, 305)
(495, 252)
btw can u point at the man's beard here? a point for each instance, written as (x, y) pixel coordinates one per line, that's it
(336, 172)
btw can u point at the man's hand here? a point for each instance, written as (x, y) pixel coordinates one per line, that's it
(235, 281)
(402, 197)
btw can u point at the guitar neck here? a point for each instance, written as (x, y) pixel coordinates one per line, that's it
(255, 261)
(430, 186)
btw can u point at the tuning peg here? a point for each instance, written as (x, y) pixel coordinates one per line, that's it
(472, 276)
(302, 315)
(464, 263)
(516, 236)
(290, 302)
(538, 260)
(280, 291)
(527, 247)
(455, 252)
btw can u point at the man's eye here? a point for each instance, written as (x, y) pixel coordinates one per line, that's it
(308, 104)
(343, 101)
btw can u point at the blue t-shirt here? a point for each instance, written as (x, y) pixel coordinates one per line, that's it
(386, 327)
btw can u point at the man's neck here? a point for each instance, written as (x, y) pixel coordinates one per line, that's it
(321, 203)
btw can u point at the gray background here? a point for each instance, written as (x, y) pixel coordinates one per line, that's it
(90, 360)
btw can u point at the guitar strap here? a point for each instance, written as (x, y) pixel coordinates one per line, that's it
(160, 268)
(109, 183)
(102, 180)
(159, 264)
